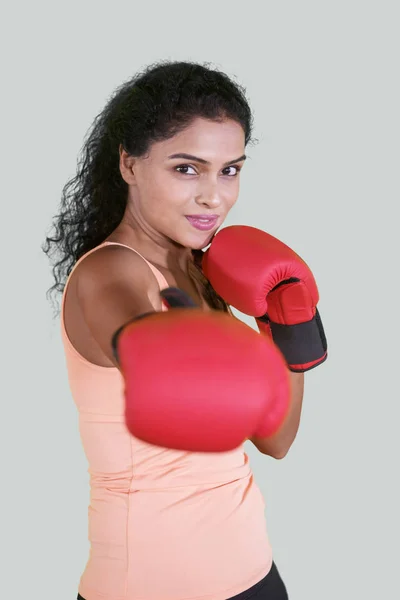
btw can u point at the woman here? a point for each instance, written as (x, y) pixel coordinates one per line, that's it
(159, 174)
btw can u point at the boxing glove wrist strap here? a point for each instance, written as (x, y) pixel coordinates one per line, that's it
(303, 345)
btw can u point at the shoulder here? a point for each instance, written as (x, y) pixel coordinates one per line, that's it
(112, 260)
(113, 285)
(115, 265)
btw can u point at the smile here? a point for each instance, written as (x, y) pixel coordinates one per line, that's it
(203, 222)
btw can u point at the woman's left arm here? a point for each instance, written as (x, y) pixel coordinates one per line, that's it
(279, 444)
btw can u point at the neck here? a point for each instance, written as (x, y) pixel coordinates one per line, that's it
(159, 251)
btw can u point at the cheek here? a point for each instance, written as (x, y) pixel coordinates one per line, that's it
(173, 189)
(232, 194)
(163, 191)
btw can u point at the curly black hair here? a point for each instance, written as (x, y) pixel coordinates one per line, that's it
(154, 105)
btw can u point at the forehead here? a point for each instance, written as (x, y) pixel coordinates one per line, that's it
(211, 140)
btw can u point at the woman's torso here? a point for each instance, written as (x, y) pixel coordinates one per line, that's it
(163, 524)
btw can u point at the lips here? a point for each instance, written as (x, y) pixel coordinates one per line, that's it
(203, 222)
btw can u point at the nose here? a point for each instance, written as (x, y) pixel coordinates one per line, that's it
(208, 195)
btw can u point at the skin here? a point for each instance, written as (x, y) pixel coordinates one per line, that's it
(161, 192)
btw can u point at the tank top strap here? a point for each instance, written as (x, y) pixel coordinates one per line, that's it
(162, 282)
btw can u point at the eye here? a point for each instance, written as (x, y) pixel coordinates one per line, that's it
(184, 171)
(235, 173)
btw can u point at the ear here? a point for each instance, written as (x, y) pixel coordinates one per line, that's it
(127, 166)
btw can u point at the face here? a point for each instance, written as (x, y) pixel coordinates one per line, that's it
(183, 189)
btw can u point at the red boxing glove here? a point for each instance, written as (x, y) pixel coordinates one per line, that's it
(262, 277)
(199, 381)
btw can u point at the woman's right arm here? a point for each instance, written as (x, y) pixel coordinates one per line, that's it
(114, 285)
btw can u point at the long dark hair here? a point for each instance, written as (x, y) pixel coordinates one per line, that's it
(154, 105)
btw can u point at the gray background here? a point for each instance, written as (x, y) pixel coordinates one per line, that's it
(323, 80)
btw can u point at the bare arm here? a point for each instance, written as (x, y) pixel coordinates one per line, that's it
(114, 285)
(279, 444)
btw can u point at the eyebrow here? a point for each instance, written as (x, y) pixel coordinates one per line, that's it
(202, 161)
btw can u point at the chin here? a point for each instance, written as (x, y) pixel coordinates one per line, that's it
(201, 241)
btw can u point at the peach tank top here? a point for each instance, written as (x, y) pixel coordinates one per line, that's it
(163, 524)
